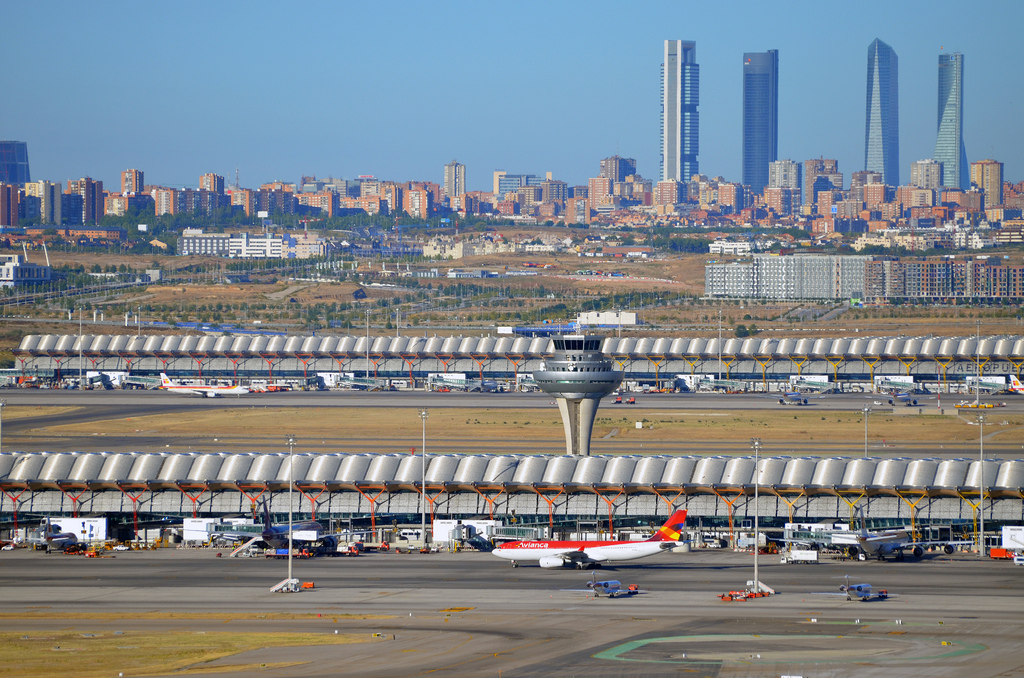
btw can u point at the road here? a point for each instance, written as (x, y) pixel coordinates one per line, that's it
(469, 614)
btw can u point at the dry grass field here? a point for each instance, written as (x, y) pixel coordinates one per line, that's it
(389, 430)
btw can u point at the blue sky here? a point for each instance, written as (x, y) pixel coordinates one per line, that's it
(397, 89)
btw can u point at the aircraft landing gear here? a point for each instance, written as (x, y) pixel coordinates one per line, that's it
(515, 563)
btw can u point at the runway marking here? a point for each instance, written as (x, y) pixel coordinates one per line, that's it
(829, 654)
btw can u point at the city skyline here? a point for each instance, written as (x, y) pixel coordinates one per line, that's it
(396, 105)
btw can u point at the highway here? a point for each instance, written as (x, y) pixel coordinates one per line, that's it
(470, 614)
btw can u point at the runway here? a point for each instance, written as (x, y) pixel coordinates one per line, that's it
(33, 434)
(470, 614)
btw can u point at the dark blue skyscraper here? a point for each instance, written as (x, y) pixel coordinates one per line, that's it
(760, 116)
(680, 121)
(14, 162)
(949, 144)
(882, 116)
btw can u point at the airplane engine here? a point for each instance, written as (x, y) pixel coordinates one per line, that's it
(804, 401)
(782, 401)
(851, 551)
(918, 551)
(914, 401)
(553, 562)
(891, 401)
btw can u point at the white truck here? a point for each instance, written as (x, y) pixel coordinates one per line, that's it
(800, 556)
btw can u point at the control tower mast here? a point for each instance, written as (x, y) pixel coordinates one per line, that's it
(578, 375)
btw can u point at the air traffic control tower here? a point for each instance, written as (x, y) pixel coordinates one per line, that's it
(578, 376)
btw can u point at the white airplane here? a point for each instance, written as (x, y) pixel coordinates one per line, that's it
(51, 537)
(587, 554)
(862, 592)
(611, 588)
(885, 543)
(1015, 386)
(793, 398)
(205, 391)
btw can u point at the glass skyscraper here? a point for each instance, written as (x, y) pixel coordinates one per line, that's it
(949, 144)
(882, 118)
(760, 116)
(14, 162)
(680, 122)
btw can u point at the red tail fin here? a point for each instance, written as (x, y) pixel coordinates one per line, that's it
(671, 530)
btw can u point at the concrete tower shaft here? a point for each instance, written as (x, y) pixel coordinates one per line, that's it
(578, 375)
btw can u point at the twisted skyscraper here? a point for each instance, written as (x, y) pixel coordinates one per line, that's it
(949, 144)
(882, 118)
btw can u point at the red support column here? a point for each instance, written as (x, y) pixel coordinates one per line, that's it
(611, 506)
(551, 505)
(490, 502)
(135, 505)
(74, 499)
(312, 499)
(193, 499)
(373, 504)
(14, 504)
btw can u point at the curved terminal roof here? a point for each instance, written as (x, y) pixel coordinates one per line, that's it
(512, 473)
(256, 346)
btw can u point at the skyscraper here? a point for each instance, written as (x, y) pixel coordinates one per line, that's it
(882, 114)
(454, 179)
(14, 163)
(680, 121)
(760, 116)
(949, 144)
(617, 169)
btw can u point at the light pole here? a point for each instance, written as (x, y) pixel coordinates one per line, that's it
(80, 384)
(291, 484)
(756, 444)
(423, 477)
(867, 411)
(3, 404)
(367, 343)
(981, 485)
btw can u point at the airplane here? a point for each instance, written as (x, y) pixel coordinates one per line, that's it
(793, 398)
(1015, 386)
(886, 543)
(611, 588)
(205, 391)
(50, 536)
(862, 591)
(587, 554)
(904, 398)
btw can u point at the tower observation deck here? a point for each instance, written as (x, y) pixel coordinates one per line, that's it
(578, 376)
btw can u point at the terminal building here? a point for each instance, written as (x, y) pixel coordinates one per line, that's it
(536, 489)
(757, 363)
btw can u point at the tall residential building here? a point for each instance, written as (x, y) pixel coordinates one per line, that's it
(815, 169)
(9, 200)
(949, 144)
(988, 176)
(132, 182)
(680, 121)
(454, 179)
(786, 174)
(926, 174)
(50, 203)
(882, 114)
(14, 163)
(617, 169)
(760, 116)
(213, 183)
(93, 200)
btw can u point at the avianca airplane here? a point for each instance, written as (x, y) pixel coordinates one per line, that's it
(586, 554)
(205, 391)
